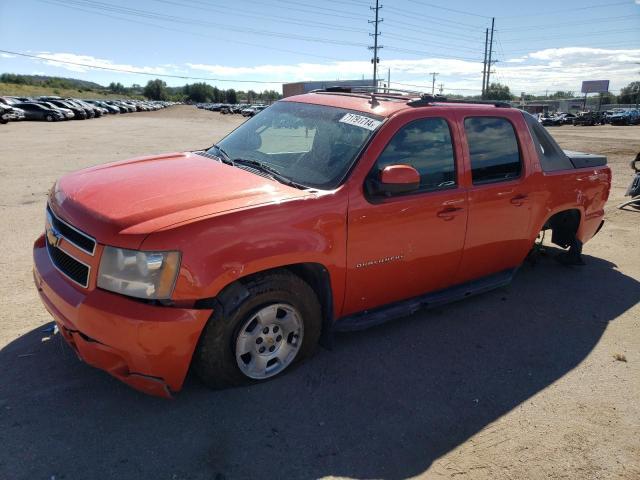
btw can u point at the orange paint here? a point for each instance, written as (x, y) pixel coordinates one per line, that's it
(229, 223)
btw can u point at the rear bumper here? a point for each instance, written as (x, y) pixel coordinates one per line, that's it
(147, 347)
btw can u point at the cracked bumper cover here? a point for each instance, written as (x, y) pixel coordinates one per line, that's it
(147, 347)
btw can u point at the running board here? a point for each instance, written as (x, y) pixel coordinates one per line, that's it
(404, 308)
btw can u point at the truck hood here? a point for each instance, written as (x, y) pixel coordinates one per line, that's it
(120, 203)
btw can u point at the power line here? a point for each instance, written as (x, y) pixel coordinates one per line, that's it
(428, 42)
(590, 34)
(434, 55)
(318, 11)
(100, 6)
(426, 87)
(242, 13)
(190, 32)
(406, 26)
(432, 19)
(586, 7)
(137, 72)
(580, 23)
(448, 9)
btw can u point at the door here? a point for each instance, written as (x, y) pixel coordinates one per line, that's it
(498, 229)
(404, 245)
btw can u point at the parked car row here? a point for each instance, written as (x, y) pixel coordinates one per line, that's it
(617, 116)
(245, 109)
(54, 109)
(623, 116)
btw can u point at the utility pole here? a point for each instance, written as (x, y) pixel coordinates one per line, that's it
(433, 82)
(484, 67)
(493, 20)
(375, 60)
(441, 88)
(388, 79)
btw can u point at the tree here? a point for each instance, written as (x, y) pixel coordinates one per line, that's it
(217, 95)
(629, 94)
(231, 96)
(116, 87)
(562, 94)
(156, 90)
(199, 92)
(607, 98)
(497, 91)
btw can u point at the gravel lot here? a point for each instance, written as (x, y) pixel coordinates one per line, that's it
(517, 383)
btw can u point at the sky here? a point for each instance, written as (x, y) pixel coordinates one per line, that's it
(540, 46)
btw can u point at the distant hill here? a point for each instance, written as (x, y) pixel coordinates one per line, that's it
(47, 81)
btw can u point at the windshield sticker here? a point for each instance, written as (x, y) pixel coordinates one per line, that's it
(361, 121)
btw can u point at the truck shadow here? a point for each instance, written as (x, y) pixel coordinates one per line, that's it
(385, 403)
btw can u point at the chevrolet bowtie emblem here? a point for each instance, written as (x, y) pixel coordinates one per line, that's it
(53, 236)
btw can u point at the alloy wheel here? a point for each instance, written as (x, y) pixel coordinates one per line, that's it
(269, 340)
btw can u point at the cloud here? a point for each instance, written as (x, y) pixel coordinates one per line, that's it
(7, 55)
(552, 68)
(566, 68)
(84, 63)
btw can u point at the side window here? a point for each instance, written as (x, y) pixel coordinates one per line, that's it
(493, 148)
(426, 146)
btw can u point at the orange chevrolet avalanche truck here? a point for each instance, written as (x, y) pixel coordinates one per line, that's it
(330, 211)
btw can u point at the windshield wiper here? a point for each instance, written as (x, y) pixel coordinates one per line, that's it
(224, 156)
(268, 169)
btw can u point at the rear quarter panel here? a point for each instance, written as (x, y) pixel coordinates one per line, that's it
(585, 189)
(582, 189)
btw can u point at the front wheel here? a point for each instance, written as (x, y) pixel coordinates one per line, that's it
(276, 326)
(49, 118)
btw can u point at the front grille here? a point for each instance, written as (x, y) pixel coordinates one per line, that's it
(69, 266)
(75, 236)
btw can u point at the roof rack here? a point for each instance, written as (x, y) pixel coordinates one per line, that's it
(427, 99)
(374, 93)
(369, 89)
(413, 98)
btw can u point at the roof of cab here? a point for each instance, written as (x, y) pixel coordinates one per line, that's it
(382, 104)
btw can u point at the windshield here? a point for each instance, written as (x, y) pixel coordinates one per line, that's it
(311, 145)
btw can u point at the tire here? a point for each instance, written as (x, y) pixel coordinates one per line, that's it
(215, 360)
(49, 118)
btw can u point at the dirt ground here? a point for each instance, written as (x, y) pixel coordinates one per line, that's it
(519, 383)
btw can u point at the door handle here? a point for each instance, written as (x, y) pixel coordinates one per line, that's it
(519, 200)
(505, 193)
(448, 213)
(450, 203)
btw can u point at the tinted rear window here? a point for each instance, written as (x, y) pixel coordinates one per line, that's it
(493, 149)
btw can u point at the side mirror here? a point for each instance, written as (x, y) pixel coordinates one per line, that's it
(396, 179)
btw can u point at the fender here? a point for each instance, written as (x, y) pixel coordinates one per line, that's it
(220, 250)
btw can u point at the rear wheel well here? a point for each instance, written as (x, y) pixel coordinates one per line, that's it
(564, 227)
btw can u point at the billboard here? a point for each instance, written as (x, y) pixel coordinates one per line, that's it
(595, 86)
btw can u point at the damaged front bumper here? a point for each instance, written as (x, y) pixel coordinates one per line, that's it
(147, 347)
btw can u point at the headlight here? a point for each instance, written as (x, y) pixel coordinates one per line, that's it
(150, 275)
